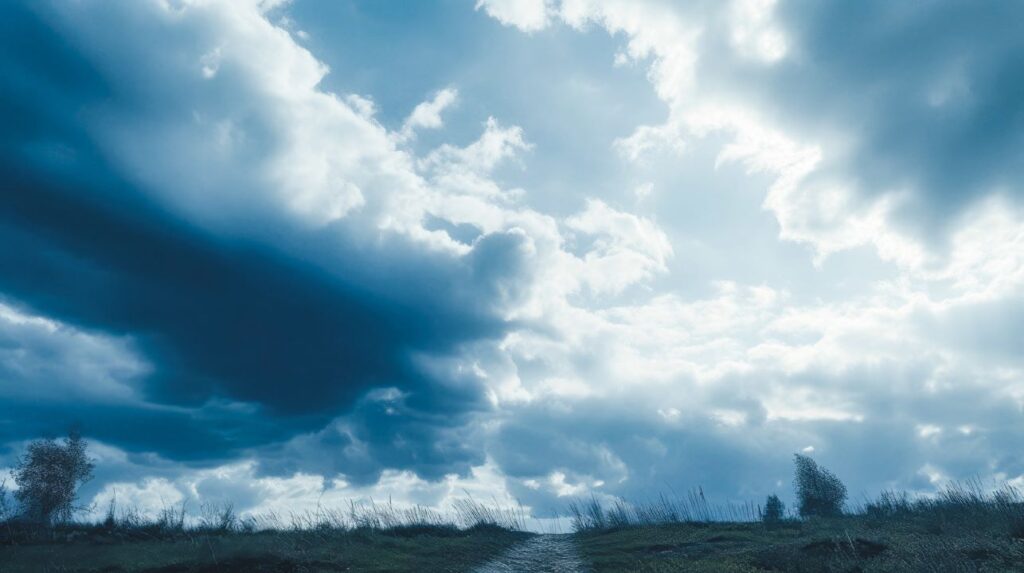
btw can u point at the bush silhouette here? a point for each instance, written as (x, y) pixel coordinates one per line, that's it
(5, 506)
(819, 492)
(48, 477)
(774, 510)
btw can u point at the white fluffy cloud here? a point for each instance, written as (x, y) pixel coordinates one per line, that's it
(610, 373)
(283, 501)
(751, 355)
(44, 360)
(427, 115)
(821, 195)
(232, 132)
(527, 15)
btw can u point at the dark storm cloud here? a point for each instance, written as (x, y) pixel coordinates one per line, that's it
(215, 316)
(387, 430)
(215, 433)
(289, 342)
(931, 92)
(173, 187)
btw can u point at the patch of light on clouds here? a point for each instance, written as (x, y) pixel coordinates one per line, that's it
(527, 15)
(830, 217)
(644, 190)
(928, 430)
(303, 494)
(934, 475)
(43, 359)
(427, 115)
(754, 33)
(986, 259)
(626, 249)
(599, 350)
(149, 497)
(15, 317)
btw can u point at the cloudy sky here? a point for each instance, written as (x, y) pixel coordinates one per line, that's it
(283, 253)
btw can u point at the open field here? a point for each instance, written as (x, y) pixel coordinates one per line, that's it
(964, 527)
(402, 549)
(500, 286)
(838, 545)
(849, 544)
(916, 541)
(367, 537)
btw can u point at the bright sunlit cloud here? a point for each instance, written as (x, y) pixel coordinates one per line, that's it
(287, 252)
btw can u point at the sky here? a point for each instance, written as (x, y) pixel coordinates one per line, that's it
(288, 253)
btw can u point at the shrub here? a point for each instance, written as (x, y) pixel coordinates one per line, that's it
(819, 492)
(5, 506)
(890, 504)
(171, 518)
(587, 515)
(48, 477)
(110, 520)
(774, 510)
(215, 518)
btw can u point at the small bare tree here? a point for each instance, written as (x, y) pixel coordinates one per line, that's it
(48, 477)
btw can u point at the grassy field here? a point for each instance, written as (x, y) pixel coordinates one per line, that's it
(367, 537)
(835, 545)
(965, 527)
(412, 549)
(916, 541)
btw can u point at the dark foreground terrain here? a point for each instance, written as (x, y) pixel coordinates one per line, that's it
(851, 544)
(848, 544)
(428, 549)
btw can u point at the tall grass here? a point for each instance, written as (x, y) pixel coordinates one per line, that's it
(590, 514)
(465, 513)
(958, 505)
(471, 513)
(221, 519)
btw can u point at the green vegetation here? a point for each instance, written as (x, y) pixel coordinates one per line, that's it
(819, 492)
(48, 477)
(97, 550)
(365, 537)
(39, 534)
(965, 527)
(926, 543)
(774, 510)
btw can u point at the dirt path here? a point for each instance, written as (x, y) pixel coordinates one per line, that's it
(540, 554)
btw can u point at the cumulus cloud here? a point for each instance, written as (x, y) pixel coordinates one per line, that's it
(767, 88)
(427, 115)
(288, 499)
(246, 286)
(626, 249)
(919, 151)
(263, 244)
(527, 15)
(42, 359)
(197, 211)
